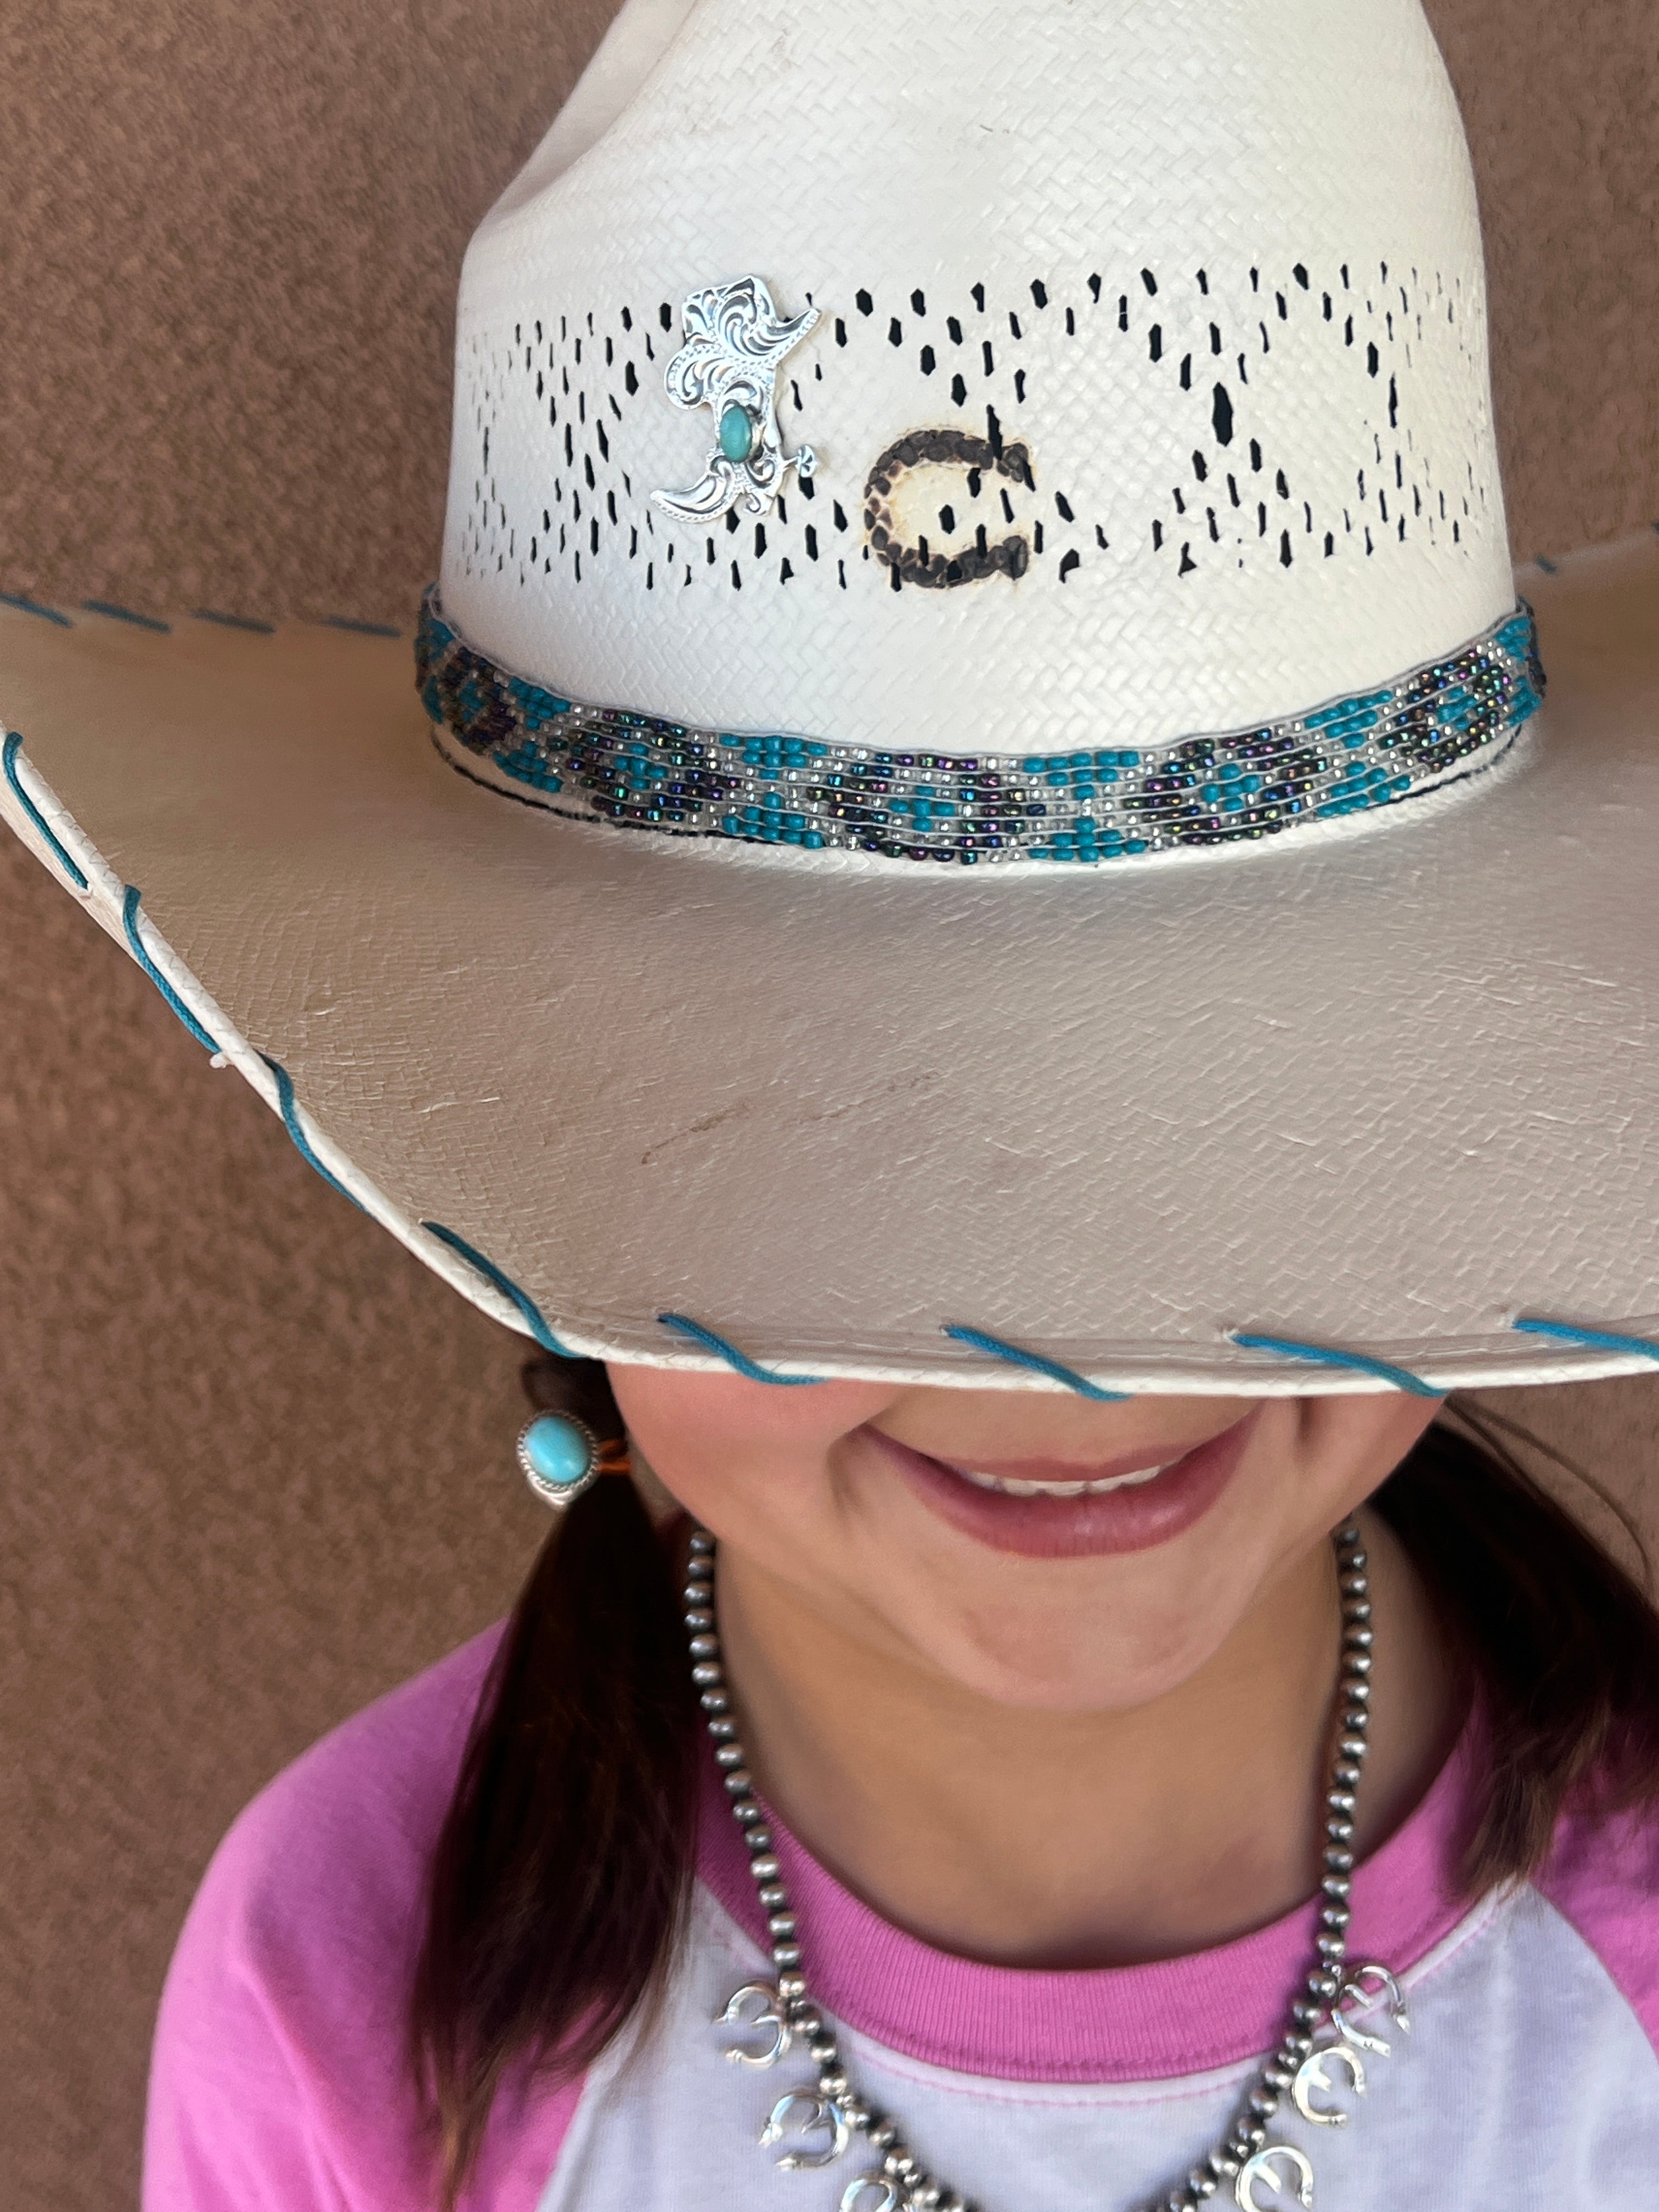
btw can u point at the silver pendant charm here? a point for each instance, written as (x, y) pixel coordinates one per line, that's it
(735, 339)
(1365, 1988)
(814, 2112)
(1311, 2078)
(740, 2012)
(887, 2196)
(1262, 2168)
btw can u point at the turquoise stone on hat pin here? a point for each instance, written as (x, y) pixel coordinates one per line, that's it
(560, 1458)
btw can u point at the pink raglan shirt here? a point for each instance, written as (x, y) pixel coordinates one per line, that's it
(280, 2081)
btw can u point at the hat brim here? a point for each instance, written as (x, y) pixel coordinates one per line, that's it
(1386, 1097)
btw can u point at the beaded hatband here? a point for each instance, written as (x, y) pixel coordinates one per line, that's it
(1372, 749)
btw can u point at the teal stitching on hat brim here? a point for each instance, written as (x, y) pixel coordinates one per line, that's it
(129, 904)
(290, 1112)
(34, 607)
(1594, 1340)
(505, 1284)
(684, 1326)
(233, 622)
(13, 746)
(1326, 1355)
(126, 615)
(1016, 1356)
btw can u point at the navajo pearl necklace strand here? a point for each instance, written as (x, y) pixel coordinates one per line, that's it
(1332, 1997)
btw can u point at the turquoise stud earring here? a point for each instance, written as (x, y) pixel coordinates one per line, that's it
(559, 1457)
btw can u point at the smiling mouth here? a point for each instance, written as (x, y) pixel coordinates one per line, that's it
(1046, 1509)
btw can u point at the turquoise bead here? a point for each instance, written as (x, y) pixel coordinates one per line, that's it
(737, 433)
(557, 1449)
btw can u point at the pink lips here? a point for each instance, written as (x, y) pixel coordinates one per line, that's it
(1128, 1520)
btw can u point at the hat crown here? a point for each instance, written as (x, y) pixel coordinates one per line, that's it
(1182, 304)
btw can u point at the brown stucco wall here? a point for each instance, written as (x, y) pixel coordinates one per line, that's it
(255, 1464)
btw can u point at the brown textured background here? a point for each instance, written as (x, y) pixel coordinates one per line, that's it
(254, 1461)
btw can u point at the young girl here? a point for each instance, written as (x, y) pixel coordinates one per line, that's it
(1005, 983)
(1131, 1804)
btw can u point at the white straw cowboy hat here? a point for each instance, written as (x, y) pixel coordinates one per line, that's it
(977, 807)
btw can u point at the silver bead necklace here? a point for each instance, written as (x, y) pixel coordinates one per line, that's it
(1329, 2004)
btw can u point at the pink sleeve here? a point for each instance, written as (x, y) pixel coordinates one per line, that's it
(279, 2082)
(1603, 1877)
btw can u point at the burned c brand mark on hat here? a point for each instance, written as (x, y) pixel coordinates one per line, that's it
(912, 559)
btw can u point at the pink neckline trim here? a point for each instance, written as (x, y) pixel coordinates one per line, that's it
(1117, 2024)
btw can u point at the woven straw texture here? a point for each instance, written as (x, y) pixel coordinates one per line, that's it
(1214, 269)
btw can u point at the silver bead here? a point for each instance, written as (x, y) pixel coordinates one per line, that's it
(759, 1839)
(781, 1925)
(785, 1954)
(724, 1732)
(1263, 2104)
(739, 1780)
(1335, 1915)
(704, 1647)
(747, 1812)
(715, 1701)
(764, 1868)
(728, 1754)
(1358, 1692)
(1338, 1885)
(706, 1673)
(1330, 1947)
(1346, 1772)
(1357, 1662)
(792, 1987)
(699, 1619)
(774, 1896)
(701, 1542)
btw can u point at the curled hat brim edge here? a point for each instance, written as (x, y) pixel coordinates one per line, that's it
(1374, 1114)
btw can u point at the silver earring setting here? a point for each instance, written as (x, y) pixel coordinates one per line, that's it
(559, 1457)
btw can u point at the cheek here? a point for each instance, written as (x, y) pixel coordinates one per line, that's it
(1354, 1444)
(712, 1436)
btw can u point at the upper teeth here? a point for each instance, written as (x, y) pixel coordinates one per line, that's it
(1013, 1489)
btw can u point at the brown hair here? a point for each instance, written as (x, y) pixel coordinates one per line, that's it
(560, 1882)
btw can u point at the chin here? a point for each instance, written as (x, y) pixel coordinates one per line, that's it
(1036, 1663)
